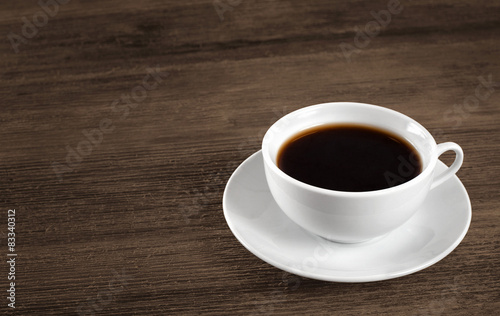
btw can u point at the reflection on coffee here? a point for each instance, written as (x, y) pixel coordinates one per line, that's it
(349, 157)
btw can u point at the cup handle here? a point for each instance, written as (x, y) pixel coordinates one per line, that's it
(459, 158)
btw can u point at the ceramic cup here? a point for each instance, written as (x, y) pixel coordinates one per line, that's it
(352, 217)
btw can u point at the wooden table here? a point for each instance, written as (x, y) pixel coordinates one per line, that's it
(121, 122)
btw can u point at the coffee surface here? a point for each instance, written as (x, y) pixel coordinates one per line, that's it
(348, 157)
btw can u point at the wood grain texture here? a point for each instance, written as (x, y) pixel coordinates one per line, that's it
(136, 227)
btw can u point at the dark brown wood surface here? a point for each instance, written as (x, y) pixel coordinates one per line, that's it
(134, 224)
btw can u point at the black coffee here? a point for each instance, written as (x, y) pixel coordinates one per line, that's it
(349, 157)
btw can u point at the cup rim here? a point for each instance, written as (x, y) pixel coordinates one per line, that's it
(424, 174)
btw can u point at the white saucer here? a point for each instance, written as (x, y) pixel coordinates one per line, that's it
(260, 225)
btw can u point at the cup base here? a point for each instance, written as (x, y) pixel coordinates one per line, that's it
(362, 242)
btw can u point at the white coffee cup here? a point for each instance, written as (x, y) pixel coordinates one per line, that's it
(351, 217)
